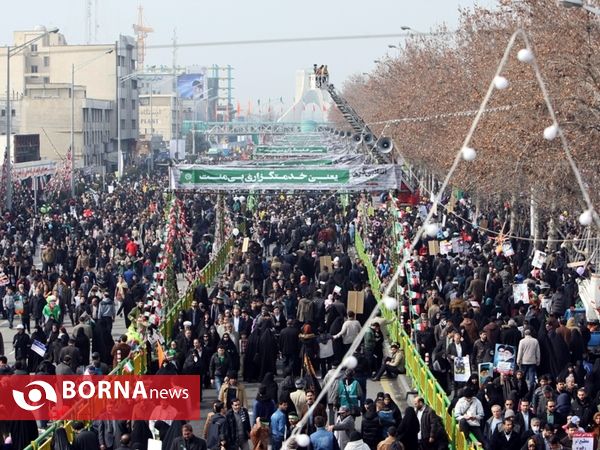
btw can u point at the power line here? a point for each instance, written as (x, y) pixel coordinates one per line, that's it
(292, 40)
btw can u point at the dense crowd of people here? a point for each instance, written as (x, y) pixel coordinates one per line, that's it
(278, 312)
(460, 305)
(279, 316)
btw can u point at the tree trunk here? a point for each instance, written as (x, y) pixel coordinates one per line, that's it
(534, 225)
(513, 214)
(552, 235)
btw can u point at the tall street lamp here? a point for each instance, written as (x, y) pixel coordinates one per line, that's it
(73, 70)
(9, 53)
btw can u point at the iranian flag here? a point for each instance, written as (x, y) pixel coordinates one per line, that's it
(128, 367)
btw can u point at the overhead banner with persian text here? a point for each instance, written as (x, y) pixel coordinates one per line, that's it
(339, 160)
(288, 150)
(227, 178)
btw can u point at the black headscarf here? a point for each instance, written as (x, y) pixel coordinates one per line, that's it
(60, 440)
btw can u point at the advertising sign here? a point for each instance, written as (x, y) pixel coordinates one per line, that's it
(190, 86)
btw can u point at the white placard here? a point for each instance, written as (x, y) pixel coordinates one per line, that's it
(539, 258)
(520, 293)
(154, 444)
(462, 368)
(38, 347)
(583, 441)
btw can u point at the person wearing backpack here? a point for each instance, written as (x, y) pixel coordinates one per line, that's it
(215, 425)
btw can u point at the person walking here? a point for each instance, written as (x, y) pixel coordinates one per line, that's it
(528, 357)
(278, 426)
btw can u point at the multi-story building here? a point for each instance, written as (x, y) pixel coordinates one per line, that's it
(105, 87)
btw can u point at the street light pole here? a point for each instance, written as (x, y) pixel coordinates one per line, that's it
(72, 130)
(8, 156)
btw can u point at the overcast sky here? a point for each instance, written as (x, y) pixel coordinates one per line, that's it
(261, 71)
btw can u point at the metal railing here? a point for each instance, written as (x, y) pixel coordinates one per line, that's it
(424, 381)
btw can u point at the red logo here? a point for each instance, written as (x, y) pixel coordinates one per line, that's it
(89, 397)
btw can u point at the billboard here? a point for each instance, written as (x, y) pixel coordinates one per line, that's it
(190, 86)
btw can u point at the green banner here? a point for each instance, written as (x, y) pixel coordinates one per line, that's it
(224, 178)
(275, 150)
(342, 160)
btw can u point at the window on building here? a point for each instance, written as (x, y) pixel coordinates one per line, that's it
(46, 61)
(13, 113)
(106, 115)
(3, 114)
(34, 69)
(134, 84)
(122, 103)
(34, 47)
(133, 124)
(122, 124)
(132, 104)
(46, 80)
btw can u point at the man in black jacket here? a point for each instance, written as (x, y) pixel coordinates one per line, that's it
(432, 435)
(187, 440)
(237, 426)
(506, 439)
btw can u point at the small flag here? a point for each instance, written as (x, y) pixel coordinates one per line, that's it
(128, 367)
(161, 354)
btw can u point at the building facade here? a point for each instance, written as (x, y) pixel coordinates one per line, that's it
(105, 96)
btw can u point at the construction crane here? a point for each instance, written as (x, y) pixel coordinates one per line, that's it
(141, 32)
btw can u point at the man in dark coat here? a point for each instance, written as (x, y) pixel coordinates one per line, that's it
(433, 436)
(188, 440)
(289, 346)
(21, 343)
(506, 439)
(235, 439)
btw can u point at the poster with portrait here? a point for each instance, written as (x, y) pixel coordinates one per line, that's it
(504, 358)
(486, 372)
(462, 368)
(520, 293)
(539, 258)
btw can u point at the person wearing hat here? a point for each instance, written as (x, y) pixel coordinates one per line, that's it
(21, 344)
(343, 427)
(259, 434)
(51, 311)
(298, 397)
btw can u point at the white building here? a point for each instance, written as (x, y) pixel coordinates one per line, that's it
(41, 75)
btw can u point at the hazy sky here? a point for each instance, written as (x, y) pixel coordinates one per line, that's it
(260, 71)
